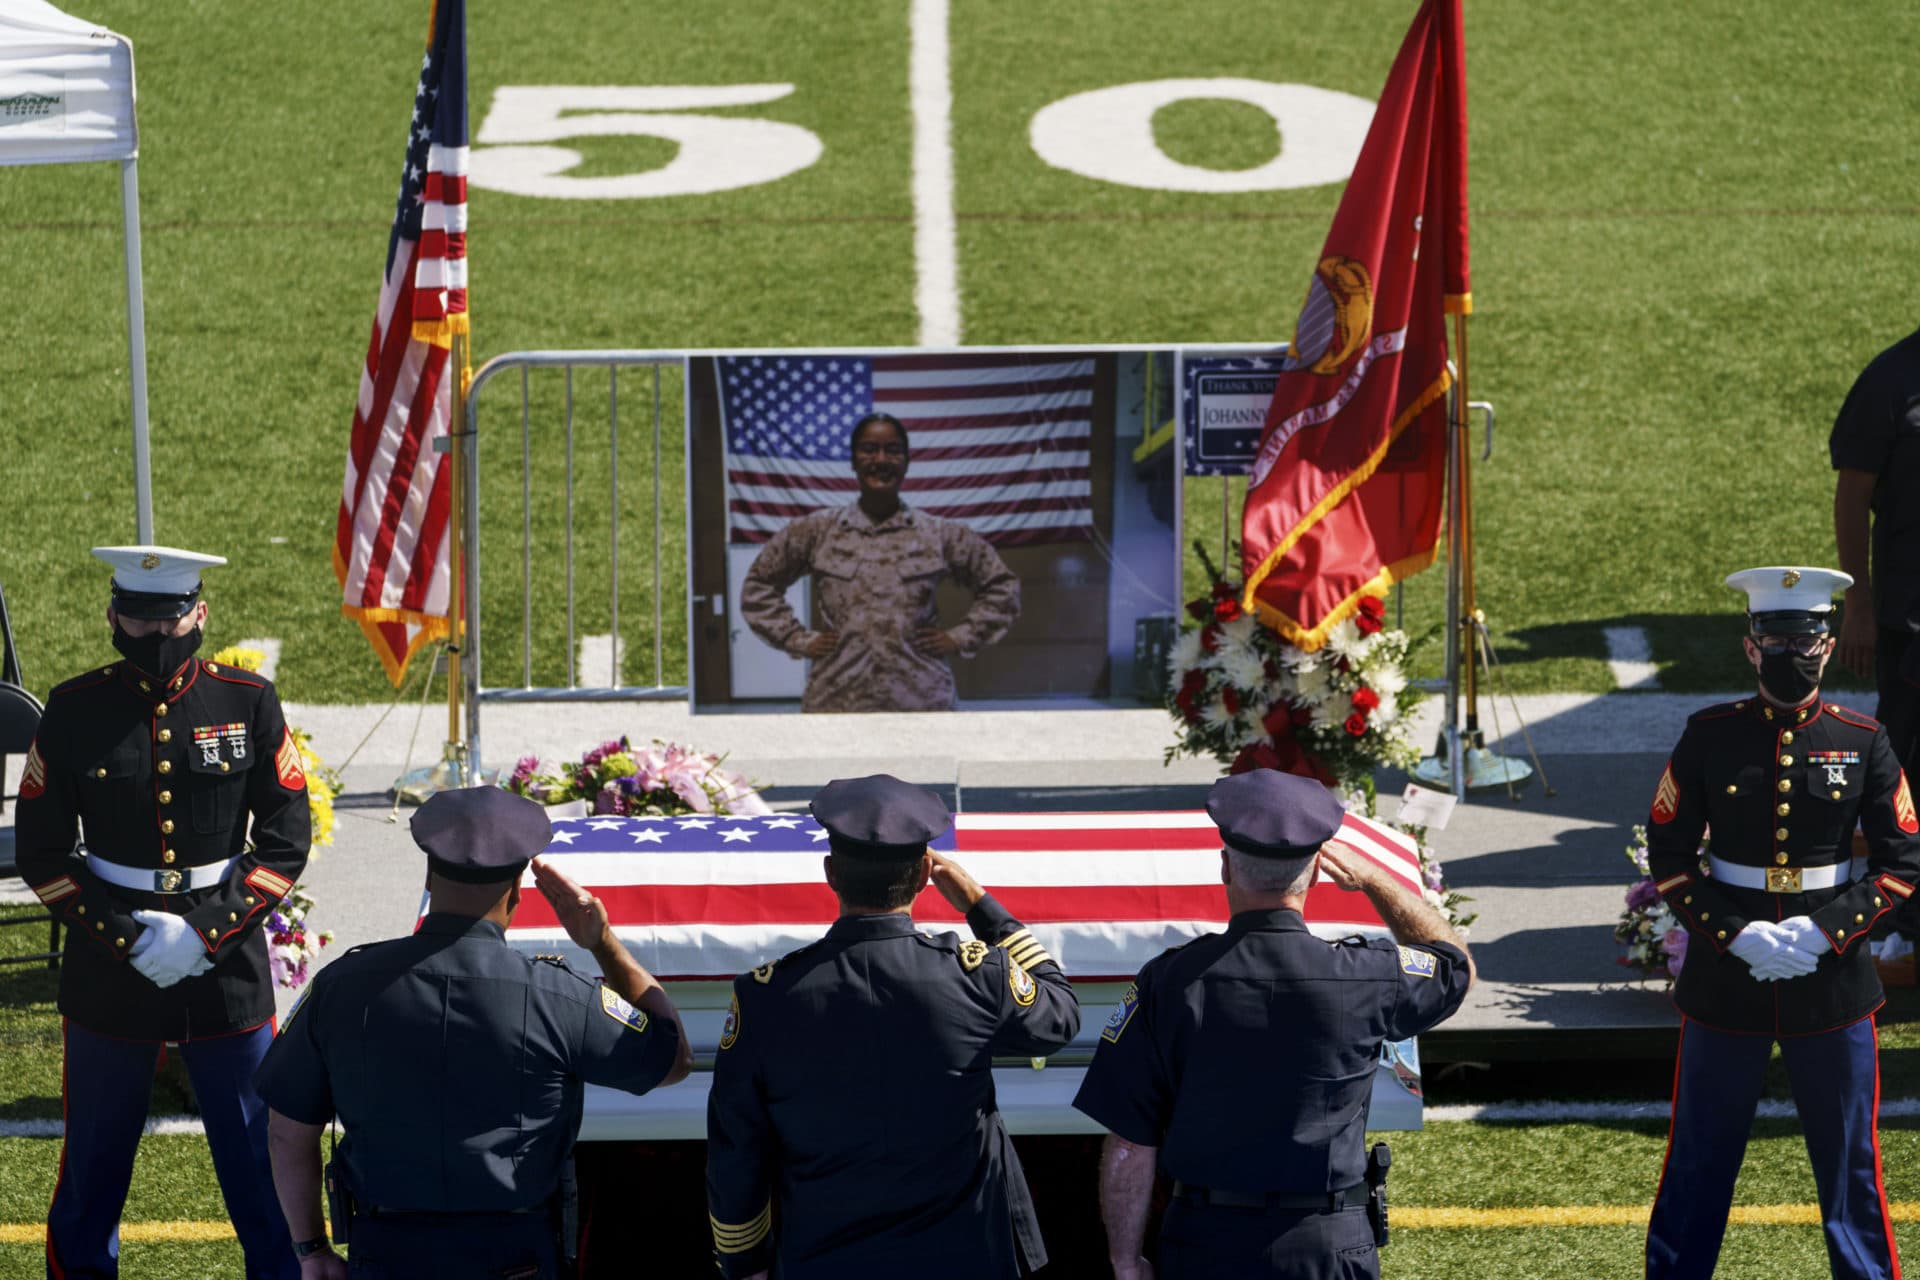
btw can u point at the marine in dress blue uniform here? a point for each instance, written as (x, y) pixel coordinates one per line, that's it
(1243, 1062)
(1777, 932)
(852, 1128)
(456, 1064)
(182, 779)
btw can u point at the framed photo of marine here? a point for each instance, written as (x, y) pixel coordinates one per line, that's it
(910, 530)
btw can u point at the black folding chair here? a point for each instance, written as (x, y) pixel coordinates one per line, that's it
(19, 720)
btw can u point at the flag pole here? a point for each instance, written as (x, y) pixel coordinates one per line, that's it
(457, 351)
(1468, 683)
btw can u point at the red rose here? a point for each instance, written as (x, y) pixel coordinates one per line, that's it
(1302, 716)
(1200, 609)
(1367, 623)
(1356, 724)
(1373, 607)
(1365, 699)
(1278, 722)
(1224, 591)
(1226, 610)
(1231, 697)
(1258, 756)
(1210, 638)
(1193, 682)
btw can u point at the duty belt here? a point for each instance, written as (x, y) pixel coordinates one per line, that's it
(161, 879)
(1783, 879)
(1352, 1197)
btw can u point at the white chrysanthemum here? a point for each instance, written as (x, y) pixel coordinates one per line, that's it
(1387, 681)
(1328, 714)
(1240, 631)
(1314, 683)
(1384, 714)
(1243, 667)
(1294, 658)
(1215, 714)
(1345, 641)
(1185, 654)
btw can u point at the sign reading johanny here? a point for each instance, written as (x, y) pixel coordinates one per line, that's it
(1223, 408)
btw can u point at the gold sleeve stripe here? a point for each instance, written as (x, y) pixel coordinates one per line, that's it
(1898, 887)
(1030, 955)
(270, 880)
(728, 1238)
(54, 890)
(1673, 882)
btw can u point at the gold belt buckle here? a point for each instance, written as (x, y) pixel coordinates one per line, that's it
(1783, 879)
(168, 880)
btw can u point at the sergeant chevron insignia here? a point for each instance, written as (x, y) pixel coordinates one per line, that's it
(33, 783)
(1903, 807)
(1666, 797)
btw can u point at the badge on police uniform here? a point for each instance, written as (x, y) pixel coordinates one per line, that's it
(1122, 1014)
(1020, 982)
(1418, 963)
(730, 1029)
(615, 1007)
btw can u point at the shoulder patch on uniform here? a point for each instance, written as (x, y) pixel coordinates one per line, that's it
(286, 763)
(1122, 1014)
(33, 783)
(1418, 963)
(1903, 813)
(764, 974)
(973, 953)
(1020, 982)
(615, 1006)
(730, 1029)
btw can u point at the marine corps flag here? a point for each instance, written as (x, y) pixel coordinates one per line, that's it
(390, 547)
(1346, 492)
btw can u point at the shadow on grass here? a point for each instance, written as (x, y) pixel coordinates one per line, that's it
(1694, 652)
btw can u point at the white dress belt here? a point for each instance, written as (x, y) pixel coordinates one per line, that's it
(161, 879)
(1785, 879)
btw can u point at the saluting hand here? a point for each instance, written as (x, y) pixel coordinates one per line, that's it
(960, 890)
(580, 913)
(1350, 870)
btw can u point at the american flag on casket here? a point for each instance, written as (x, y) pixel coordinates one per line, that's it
(711, 897)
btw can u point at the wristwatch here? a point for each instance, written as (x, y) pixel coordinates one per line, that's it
(304, 1249)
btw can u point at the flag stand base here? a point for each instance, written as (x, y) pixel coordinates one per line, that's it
(1484, 770)
(451, 773)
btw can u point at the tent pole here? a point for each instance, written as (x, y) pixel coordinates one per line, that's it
(137, 350)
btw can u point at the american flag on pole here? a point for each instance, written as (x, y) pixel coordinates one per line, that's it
(710, 897)
(391, 542)
(1000, 442)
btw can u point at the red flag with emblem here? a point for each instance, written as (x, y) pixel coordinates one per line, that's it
(1346, 492)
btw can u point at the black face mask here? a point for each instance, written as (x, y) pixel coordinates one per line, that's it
(157, 654)
(1790, 677)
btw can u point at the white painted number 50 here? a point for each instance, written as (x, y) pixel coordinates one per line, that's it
(1107, 134)
(716, 153)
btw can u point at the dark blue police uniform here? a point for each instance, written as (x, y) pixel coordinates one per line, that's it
(1247, 1058)
(1782, 789)
(852, 1128)
(456, 1065)
(193, 804)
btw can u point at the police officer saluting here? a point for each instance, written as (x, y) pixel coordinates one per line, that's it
(1242, 1062)
(852, 1129)
(187, 789)
(456, 1064)
(1777, 931)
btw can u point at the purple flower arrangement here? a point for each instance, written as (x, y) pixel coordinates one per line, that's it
(660, 778)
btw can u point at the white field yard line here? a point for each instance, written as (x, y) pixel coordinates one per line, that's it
(936, 293)
(600, 659)
(1477, 1113)
(1630, 658)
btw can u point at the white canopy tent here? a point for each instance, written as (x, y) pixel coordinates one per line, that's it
(66, 96)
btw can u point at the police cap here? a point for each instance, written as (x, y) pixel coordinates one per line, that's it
(1269, 814)
(879, 817)
(480, 835)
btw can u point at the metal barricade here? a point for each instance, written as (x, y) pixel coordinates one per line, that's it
(568, 363)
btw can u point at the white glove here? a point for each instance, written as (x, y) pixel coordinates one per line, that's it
(1761, 945)
(167, 950)
(1803, 935)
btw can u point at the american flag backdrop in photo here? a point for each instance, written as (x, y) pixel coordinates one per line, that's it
(391, 551)
(710, 897)
(1000, 441)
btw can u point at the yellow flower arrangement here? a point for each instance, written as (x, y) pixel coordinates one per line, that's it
(323, 785)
